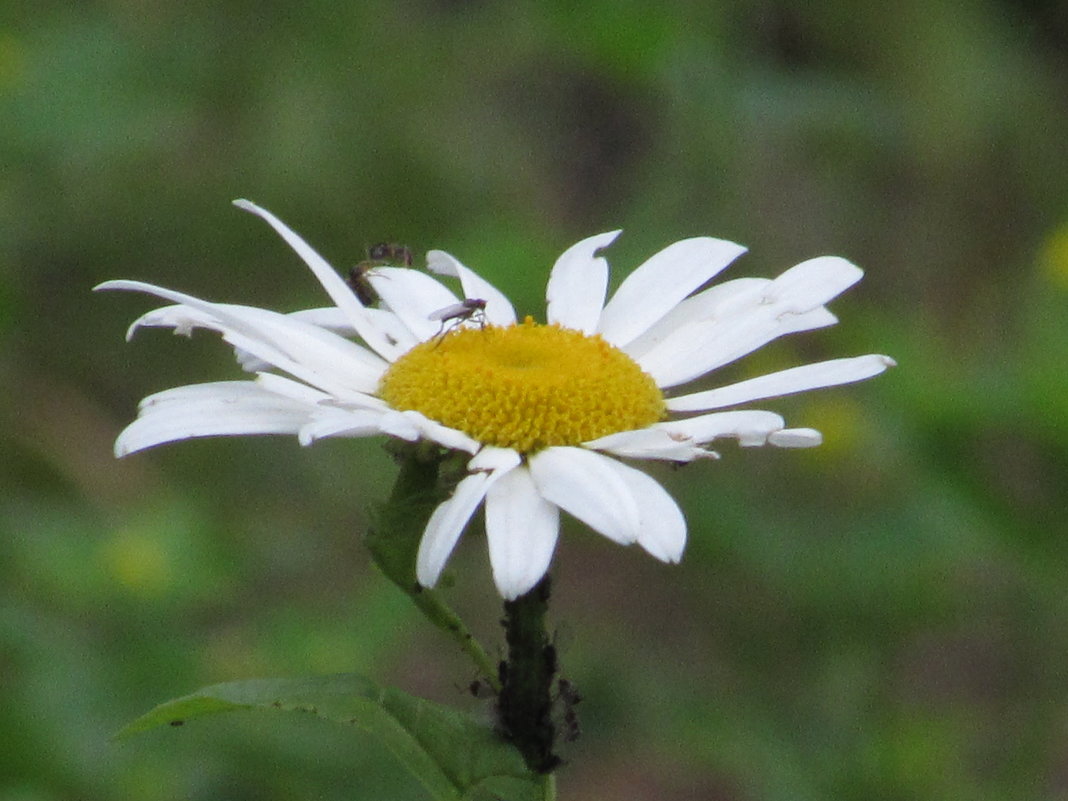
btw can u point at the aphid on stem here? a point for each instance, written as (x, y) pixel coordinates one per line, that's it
(568, 697)
(481, 689)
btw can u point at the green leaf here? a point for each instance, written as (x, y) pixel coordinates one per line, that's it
(427, 476)
(448, 752)
(505, 788)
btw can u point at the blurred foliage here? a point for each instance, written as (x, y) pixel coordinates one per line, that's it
(881, 618)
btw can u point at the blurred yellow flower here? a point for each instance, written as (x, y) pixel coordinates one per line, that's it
(138, 562)
(1054, 256)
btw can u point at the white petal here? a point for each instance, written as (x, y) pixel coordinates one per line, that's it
(658, 285)
(750, 428)
(341, 423)
(795, 438)
(662, 530)
(729, 346)
(394, 330)
(443, 435)
(412, 295)
(583, 484)
(748, 320)
(328, 317)
(223, 408)
(328, 418)
(387, 322)
(310, 353)
(399, 425)
(250, 363)
(446, 525)
(226, 391)
(411, 425)
(578, 284)
(494, 458)
(448, 521)
(183, 319)
(651, 443)
(333, 283)
(703, 306)
(812, 283)
(785, 382)
(499, 310)
(335, 320)
(522, 529)
(699, 348)
(295, 390)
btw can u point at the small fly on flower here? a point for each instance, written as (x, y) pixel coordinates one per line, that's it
(452, 316)
(390, 253)
(383, 254)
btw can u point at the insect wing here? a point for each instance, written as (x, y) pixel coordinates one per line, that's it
(453, 312)
(464, 310)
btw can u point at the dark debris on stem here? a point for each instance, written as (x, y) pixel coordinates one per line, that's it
(525, 704)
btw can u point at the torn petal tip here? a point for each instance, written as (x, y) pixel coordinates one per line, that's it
(795, 438)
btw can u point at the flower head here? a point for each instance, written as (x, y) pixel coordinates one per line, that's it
(545, 410)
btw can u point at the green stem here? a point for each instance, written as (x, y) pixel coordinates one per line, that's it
(441, 615)
(548, 787)
(397, 529)
(525, 701)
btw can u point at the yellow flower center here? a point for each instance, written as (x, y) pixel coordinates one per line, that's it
(526, 386)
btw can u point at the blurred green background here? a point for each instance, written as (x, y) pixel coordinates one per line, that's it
(885, 617)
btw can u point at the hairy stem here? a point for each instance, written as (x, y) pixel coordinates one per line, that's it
(525, 700)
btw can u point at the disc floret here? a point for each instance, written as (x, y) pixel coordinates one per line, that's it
(526, 387)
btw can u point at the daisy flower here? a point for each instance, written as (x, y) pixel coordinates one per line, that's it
(545, 410)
